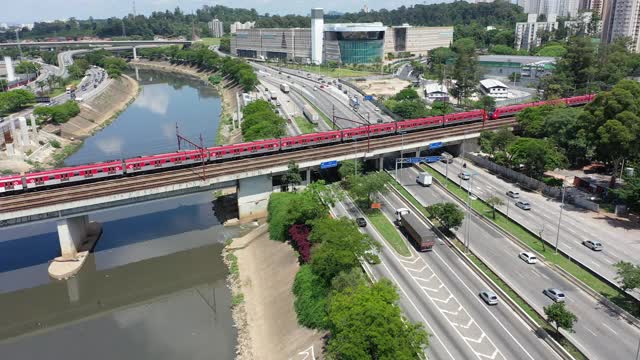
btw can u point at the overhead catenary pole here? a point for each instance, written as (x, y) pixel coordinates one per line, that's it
(560, 216)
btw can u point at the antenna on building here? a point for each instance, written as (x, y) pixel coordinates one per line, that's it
(134, 8)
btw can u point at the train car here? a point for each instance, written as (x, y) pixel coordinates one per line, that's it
(580, 100)
(73, 174)
(294, 142)
(362, 132)
(162, 161)
(422, 123)
(512, 109)
(244, 149)
(382, 129)
(10, 184)
(463, 117)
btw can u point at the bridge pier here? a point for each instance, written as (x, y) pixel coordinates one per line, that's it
(77, 237)
(135, 53)
(253, 197)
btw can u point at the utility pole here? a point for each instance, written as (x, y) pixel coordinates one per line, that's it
(124, 33)
(560, 217)
(18, 41)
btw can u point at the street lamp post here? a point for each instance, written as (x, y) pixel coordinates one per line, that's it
(401, 152)
(466, 236)
(560, 217)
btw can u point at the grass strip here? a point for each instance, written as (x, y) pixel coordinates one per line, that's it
(388, 231)
(208, 41)
(326, 71)
(566, 344)
(617, 296)
(305, 126)
(324, 117)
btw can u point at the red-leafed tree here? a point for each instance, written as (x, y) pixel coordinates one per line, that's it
(300, 241)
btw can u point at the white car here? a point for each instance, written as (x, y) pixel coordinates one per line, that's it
(513, 194)
(555, 294)
(464, 175)
(489, 297)
(528, 257)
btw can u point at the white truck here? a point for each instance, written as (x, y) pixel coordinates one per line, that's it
(284, 88)
(310, 113)
(424, 179)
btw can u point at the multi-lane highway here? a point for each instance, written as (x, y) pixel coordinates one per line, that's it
(576, 224)
(440, 291)
(599, 333)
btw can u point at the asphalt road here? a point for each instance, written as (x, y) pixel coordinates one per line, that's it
(438, 290)
(599, 333)
(577, 224)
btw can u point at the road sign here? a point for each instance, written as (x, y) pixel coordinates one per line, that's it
(435, 145)
(328, 164)
(43, 99)
(417, 160)
(368, 97)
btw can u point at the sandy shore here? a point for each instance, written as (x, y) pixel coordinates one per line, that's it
(266, 320)
(226, 132)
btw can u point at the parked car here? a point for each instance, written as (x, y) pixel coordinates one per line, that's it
(528, 257)
(555, 294)
(464, 175)
(524, 205)
(594, 245)
(489, 297)
(513, 194)
(361, 222)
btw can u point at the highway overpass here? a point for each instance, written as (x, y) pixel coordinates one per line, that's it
(52, 44)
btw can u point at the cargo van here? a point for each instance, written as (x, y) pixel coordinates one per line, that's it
(424, 179)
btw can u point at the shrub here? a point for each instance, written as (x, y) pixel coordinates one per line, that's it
(300, 241)
(55, 144)
(311, 299)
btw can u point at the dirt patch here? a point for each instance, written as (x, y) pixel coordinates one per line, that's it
(97, 112)
(266, 320)
(385, 87)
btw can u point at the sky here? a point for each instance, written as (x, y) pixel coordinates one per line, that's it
(28, 11)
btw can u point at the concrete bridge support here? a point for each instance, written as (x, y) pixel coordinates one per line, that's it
(135, 53)
(253, 197)
(77, 238)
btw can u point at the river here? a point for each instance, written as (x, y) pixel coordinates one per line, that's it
(154, 288)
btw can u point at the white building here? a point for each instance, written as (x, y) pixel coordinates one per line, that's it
(215, 27)
(436, 92)
(242, 26)
(494, 88)
(527, 34)
(566, 8)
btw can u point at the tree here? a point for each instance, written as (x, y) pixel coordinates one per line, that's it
(515, 77)
(41, 84)
(27, 67)
(363, 187)
(3, 84)
(292, 177)
(286, 209)
(629, 193)
(449, 215)
(310, 298)
(628, 275)
(348, 280)
(536, 155)
(493, 202)
(341, 245)
(407, 93)
(367, 323)
(351, 168)
(14, 100)
(465, 70)
(487, 103)
(558, 314)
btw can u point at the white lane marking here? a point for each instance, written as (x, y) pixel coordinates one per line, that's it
(423, 279)
(410, 262)
(492, 356)
(613, 331)
(308, 352)
(395, 280)
(589, 330)
(595, 263)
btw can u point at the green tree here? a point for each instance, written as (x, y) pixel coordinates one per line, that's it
(465, 70)
(286, 209)
(3, 84)
(449, 215)
(363, 187)
(310, 301)
(493, 202)
(292, 177)
(515, 77)
(351, 168)
(536, 155)
(558, 314)
(348, 280)
(14, 100)
(367, 323)
(496, 141)
(628, 275)
(487, 103)
(629, 193)
(27, 67)
(407, 93)
(341, 245)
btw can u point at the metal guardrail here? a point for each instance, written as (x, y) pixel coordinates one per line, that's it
(542, 333)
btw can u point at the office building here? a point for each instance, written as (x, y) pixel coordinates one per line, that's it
(241, 26)
(215, 27)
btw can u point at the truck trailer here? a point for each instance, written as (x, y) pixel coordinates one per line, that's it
(284, 88)
(310, 113)
(419, 233)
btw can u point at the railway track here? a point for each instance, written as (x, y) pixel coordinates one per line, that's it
(125, 184)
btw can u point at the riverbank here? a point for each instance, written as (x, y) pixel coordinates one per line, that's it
(227, 133)
(261, 278)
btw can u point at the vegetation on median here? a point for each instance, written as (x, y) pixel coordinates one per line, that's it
(304, 125)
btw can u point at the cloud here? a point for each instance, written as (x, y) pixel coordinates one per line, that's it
(110, 146)
(153, 99)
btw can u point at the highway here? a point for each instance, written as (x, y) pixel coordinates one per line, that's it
(599, 333)
(438, 290)
(577, 224)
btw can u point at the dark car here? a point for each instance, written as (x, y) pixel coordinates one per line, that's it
(361, 222)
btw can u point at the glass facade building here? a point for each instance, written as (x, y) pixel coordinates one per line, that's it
(361, 51)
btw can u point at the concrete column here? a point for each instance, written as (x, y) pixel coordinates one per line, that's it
(381, 163)
(10, 150)
(72, 233)
(137, 74)
(34, 127)
(73, 289)
(308, 181)
(253, 197)
(135, 53)
(24, 132)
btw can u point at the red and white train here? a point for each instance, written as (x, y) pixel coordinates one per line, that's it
(59, 177)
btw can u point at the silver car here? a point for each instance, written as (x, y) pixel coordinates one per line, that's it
(464, 175)
(524, 205)
(489, 297)
(513, 194)
(593, 245)
(555, 294)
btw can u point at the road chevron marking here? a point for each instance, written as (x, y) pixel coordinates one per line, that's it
(454, 313)
(423, 279)
(464, 326)
(421, 270)
(434, 290)
(410, 262)
(443, 301)
(495, 353)
(478, 340)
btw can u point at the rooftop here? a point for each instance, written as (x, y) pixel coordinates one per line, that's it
(514, 58)
(492, 83)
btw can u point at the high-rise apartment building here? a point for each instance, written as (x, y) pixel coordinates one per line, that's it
(527, 34)
(621, 18)
(241, 26)
(215, 27)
